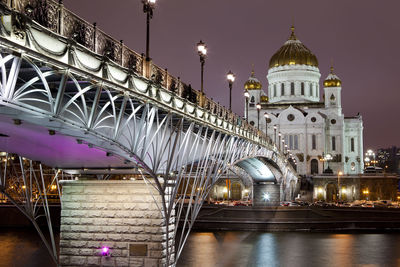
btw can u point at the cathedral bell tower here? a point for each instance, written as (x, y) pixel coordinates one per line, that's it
(332, 90)
(256, 96)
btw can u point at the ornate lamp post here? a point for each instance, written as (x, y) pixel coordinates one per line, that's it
(338, 181)
(279, 143)
(327, 158)
(266, 116)
(202, 51)
(231, 78)
(148, 6)
(247, 95)
(258, 106)
(371, 154)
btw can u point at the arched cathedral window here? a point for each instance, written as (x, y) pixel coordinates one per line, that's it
(313, 142)
(302, 88)
(292, 88)
(252, 99)
(282, 89)
(352, 144)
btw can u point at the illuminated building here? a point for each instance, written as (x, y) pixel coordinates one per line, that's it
(298, 121)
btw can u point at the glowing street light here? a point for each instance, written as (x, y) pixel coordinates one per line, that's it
(266, 116)
(247, 95)
(327, 158)
(202, 52)
(340, 173)
(231, 78)
(258, 106)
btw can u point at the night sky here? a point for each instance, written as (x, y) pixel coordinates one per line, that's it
(362, 37)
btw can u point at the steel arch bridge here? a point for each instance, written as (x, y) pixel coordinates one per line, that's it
(75, 99)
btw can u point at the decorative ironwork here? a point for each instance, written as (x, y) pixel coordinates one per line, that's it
(39, 12)
(19, 25)
(79, 33)
(132, 62)
(173, 145)
(27, 185)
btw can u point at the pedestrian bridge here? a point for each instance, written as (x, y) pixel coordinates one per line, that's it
(77, 100)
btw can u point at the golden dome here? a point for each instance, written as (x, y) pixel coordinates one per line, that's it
(332, 80)
(252, 83)
(293, 52)
(264, 99)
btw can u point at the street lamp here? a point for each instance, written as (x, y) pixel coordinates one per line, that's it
(258, 106)
(202, 51)
(327, 158)
(266, 116)
(247, 95)
(370, 153)
(231, 78)
(338, 182)
(148, 6)
(279, 143)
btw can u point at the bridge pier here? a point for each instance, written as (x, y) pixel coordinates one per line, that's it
(266, 194)
(120, 215)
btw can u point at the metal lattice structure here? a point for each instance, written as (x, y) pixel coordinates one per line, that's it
(63, 74)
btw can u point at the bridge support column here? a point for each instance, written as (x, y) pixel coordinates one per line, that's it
(266, 194)
(120, 215)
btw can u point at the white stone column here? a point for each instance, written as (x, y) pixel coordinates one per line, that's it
(121, 215)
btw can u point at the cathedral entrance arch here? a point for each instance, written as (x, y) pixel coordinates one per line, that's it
(331, 193)
(314, 166)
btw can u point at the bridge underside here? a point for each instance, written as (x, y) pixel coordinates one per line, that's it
(70, 107)
(63, 151)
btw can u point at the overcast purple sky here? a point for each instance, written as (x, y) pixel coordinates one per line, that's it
(362, 37)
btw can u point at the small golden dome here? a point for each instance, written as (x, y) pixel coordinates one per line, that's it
(332, 80)
(293, 52)
(252, 83)
(264, 99)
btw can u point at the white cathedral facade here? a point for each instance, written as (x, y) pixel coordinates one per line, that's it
(314, 132)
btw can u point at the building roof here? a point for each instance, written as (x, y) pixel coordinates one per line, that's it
(293, 52)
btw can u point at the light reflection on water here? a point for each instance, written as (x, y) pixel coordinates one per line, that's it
(23, 248)
(223, 249)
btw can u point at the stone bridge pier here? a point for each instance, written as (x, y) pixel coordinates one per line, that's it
(113, 223)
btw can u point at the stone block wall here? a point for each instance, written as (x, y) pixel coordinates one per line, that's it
(121, 215)
(259, 191)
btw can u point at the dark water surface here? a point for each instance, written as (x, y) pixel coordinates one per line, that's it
(23, 248)
(233, 249)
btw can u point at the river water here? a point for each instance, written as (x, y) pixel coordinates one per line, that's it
(22, 248)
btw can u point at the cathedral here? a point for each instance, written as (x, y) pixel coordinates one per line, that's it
(314, 132)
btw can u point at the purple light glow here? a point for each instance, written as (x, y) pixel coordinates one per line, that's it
(105, 251)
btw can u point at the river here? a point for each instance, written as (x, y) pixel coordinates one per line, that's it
(22, 248)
